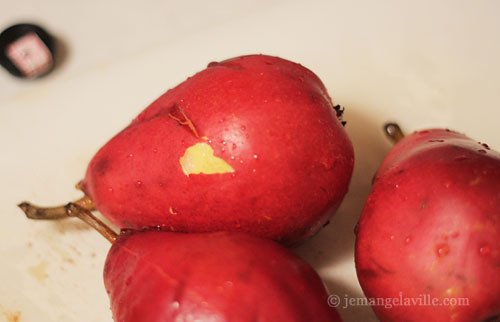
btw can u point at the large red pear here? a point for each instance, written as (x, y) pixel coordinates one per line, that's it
(429, 234)
(249, 144)
(214, 277)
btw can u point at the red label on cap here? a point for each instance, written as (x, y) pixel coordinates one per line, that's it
(30, 55)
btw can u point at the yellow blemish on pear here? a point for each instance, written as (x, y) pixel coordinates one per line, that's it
(199, 158)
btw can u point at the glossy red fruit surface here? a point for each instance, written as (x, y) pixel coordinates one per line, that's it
(249, 144)
(163, 276)
(430, 230)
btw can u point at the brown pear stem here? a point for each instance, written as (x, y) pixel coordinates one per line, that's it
(394, 132)
(74, 210)
(80, 209)
(36, 212)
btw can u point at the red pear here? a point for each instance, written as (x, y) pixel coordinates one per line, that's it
(155, 275)
(225, 276)
(429, 234)
(249, 144)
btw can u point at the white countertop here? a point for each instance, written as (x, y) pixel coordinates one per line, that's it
(422, 64)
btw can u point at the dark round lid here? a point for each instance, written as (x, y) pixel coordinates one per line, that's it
(27, 50)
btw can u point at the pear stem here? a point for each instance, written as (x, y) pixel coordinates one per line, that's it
(394, 132)
(80, 209)
(74, 210)
(36, 212)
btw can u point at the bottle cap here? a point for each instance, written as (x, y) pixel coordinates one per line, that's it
(27, 50)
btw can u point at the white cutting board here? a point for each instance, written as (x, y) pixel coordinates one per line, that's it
(422, 64)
